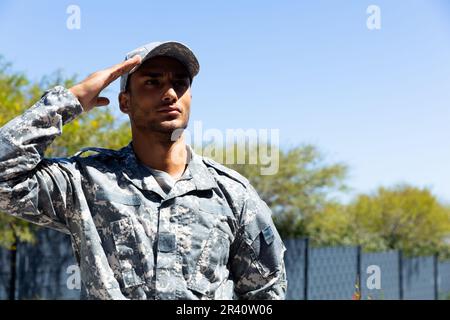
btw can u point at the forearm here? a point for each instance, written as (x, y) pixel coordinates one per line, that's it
(24, 139)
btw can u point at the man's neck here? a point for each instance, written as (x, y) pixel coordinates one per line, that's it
(157, 151)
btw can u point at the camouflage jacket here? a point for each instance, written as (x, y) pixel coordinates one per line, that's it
(210, 237)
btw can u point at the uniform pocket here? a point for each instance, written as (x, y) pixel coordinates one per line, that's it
(126, 250)
(209, 246)
(214, 254)
(119, 197)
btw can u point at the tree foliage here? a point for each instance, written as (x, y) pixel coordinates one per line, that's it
(301, 188)
(402, 217)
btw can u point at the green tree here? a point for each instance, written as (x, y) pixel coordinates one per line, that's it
(302, 187)
(330, 226)
(402, 217)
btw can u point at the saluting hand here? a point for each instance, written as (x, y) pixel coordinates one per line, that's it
(87, 91)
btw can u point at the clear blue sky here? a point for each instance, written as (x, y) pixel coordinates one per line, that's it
(376, 100)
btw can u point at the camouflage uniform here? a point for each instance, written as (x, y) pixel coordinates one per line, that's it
(209, 237)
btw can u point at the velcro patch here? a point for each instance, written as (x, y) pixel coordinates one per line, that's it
(268, 235)
(166, 242)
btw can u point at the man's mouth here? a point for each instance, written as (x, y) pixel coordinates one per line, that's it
(173, 109)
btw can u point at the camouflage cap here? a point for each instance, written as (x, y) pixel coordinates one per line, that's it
(171, 49)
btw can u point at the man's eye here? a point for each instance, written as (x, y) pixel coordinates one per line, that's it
(152, 82)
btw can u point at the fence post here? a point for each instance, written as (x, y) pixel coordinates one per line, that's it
(358, 270)
(436, 276)
(400, 274)
(305, 269)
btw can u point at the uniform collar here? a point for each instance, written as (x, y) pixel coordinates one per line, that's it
(195, 177)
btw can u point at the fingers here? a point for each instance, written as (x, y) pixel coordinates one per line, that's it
(119, 69)
(89, 89)
(101, 101)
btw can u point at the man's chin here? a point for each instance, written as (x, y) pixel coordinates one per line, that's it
(168, 126)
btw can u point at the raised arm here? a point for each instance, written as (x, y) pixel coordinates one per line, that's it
(32, 187)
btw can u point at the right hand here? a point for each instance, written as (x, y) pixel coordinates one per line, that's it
(87, 91)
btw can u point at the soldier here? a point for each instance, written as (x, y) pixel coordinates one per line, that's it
(152, 220)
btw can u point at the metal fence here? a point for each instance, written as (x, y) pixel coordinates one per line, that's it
(313, 273)
(41, 268)
(340, 272)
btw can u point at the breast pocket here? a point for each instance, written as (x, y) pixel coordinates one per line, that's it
(113, 205)
(127, 252)
(210, 267)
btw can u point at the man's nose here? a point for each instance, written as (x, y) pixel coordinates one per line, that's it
(170, 96)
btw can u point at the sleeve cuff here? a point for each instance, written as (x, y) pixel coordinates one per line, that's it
(68, 104)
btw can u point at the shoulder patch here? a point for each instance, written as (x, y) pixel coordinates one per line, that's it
(102, 151)
(227, 171)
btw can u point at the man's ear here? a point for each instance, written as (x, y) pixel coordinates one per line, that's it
(124, 102)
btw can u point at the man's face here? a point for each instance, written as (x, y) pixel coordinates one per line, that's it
(158, 98)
